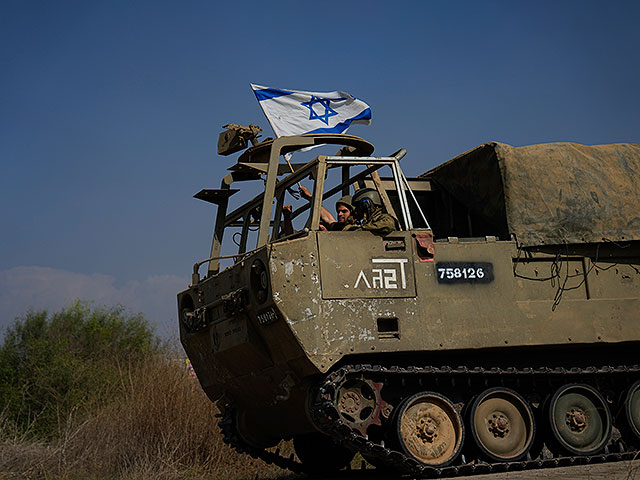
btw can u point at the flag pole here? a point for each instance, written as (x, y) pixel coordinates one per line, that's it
(274, 132)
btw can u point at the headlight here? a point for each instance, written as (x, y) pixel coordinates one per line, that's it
(259, 281)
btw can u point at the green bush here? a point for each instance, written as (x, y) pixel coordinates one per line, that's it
(53, 367)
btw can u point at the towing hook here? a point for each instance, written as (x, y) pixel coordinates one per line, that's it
(285, 386)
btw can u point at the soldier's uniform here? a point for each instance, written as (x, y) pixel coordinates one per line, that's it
(338, 226)
(379, 223)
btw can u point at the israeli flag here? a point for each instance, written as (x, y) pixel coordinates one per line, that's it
(294, 112)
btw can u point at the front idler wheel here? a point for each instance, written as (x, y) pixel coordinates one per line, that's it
(249, 434)
(429, 429)
(579, 419)
(502, 425)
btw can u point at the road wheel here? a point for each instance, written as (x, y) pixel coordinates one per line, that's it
(502, 425)
(579, 419)
(429, 429)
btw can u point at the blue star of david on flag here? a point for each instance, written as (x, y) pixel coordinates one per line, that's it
(296, 112)
(324, 102)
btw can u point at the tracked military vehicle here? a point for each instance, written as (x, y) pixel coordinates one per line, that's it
(497, 329)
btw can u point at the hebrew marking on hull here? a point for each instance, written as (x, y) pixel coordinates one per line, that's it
(385, 278)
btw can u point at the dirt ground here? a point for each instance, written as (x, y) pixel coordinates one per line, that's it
(602, 471)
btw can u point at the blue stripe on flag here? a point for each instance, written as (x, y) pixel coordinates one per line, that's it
(364, 115)
(269, 93)
(342, 126)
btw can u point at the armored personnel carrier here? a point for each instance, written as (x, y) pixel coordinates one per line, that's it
(497, 329)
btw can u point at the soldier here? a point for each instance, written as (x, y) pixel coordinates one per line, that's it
(344, 209)
(368, 209)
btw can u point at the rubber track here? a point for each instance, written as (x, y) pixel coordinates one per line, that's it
(326, 418)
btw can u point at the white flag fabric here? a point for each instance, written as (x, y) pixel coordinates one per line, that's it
(294, 112)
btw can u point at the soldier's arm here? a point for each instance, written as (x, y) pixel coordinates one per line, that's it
(287, 225)
(352, 227)
(325, 215)
(381, 226)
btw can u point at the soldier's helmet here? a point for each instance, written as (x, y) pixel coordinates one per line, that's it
(366, 197)
(346, 201)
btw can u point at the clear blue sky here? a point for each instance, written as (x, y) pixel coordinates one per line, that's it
(110, 111)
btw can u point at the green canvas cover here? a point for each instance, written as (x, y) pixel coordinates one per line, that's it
(550, 193)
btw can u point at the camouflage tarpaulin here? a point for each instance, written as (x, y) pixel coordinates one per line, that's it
(551, 193)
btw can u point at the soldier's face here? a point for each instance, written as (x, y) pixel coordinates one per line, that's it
(343, 213)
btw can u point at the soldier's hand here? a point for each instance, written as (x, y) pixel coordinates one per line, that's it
(286, 210)
(305, 192)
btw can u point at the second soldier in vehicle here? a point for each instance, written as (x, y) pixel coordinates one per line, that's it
(368, 210)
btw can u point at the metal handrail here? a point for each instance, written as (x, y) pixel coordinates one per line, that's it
(195, 276)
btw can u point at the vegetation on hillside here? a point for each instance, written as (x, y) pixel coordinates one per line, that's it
(91, 393)
(71, 361)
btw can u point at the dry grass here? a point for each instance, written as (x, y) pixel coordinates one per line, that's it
(633, 470)
(160, 427)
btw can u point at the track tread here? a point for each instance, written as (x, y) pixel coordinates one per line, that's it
(327, 419)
